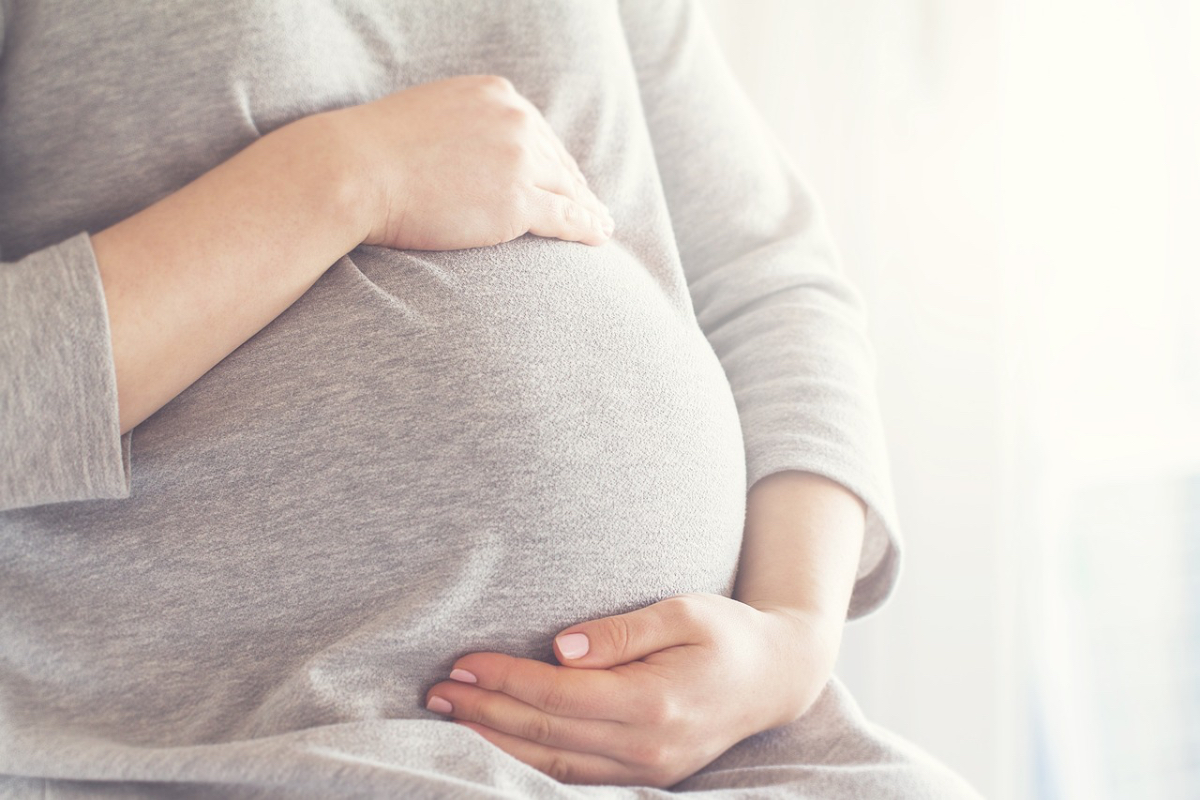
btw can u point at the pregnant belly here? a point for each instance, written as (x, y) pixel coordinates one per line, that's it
(427, 455)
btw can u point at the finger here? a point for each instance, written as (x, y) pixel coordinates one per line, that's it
(558, 216)
(565, 766)
(607, 642)
(568, 160)
(585, 195)
(509, 715)
(562, 158)
(550, 174)
(552, 177)
(583, 192)
(589, 694)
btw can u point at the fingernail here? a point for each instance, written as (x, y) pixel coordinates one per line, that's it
(439, 705)
(573, 645)
(463, 675)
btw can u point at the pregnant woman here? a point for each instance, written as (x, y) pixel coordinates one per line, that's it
(423, 398)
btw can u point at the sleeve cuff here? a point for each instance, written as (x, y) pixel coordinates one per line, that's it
(62, 438)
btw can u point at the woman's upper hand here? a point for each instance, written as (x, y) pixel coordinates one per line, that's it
(464, 162)
(657, 694)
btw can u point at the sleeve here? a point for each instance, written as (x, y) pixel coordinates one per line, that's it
(764, 277)
(5, 14)
(60, 434)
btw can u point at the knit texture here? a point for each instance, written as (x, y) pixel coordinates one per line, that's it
(429, 453)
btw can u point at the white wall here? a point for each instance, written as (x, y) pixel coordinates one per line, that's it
(1015, 186)
(890, 110)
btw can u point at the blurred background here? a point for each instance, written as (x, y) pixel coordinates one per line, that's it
(1015, 187)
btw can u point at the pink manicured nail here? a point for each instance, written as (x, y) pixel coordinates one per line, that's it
(573, 645)
(439, 705)
(463, 675)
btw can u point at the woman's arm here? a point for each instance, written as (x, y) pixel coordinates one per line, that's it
(441, 166)
(800, 555)
(192, 277)
(98, 332)
(800, 548)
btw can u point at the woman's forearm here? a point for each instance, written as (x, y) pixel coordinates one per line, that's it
(190, 278)
(458, 163)
(801, 546)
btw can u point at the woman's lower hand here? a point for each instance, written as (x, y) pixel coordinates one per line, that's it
(649, 697)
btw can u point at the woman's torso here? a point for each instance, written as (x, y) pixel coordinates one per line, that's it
(429, 454)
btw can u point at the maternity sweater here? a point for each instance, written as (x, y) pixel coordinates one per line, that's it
(429, 453)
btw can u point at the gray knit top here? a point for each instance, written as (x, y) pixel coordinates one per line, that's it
(428, 454)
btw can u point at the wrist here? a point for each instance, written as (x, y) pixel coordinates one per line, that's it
(319, 146)
(803, 624)
(803, 649)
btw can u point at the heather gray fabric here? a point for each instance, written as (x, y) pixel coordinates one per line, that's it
(428, 454)
(831, 752)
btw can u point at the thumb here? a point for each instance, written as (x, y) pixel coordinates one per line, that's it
(623, 638)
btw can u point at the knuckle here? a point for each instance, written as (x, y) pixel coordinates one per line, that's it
(619, 634)
(514, 115)
(507, 678)
(471, 709)
(569, 212)
(650, 756)
(496, 83)
(554, 699)
(539, 729)
(511, 230)
(660, 711)
(558, 768)
(663, 772)
(686, 610)
(661, 776)
(515, 153)
(513, 219)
